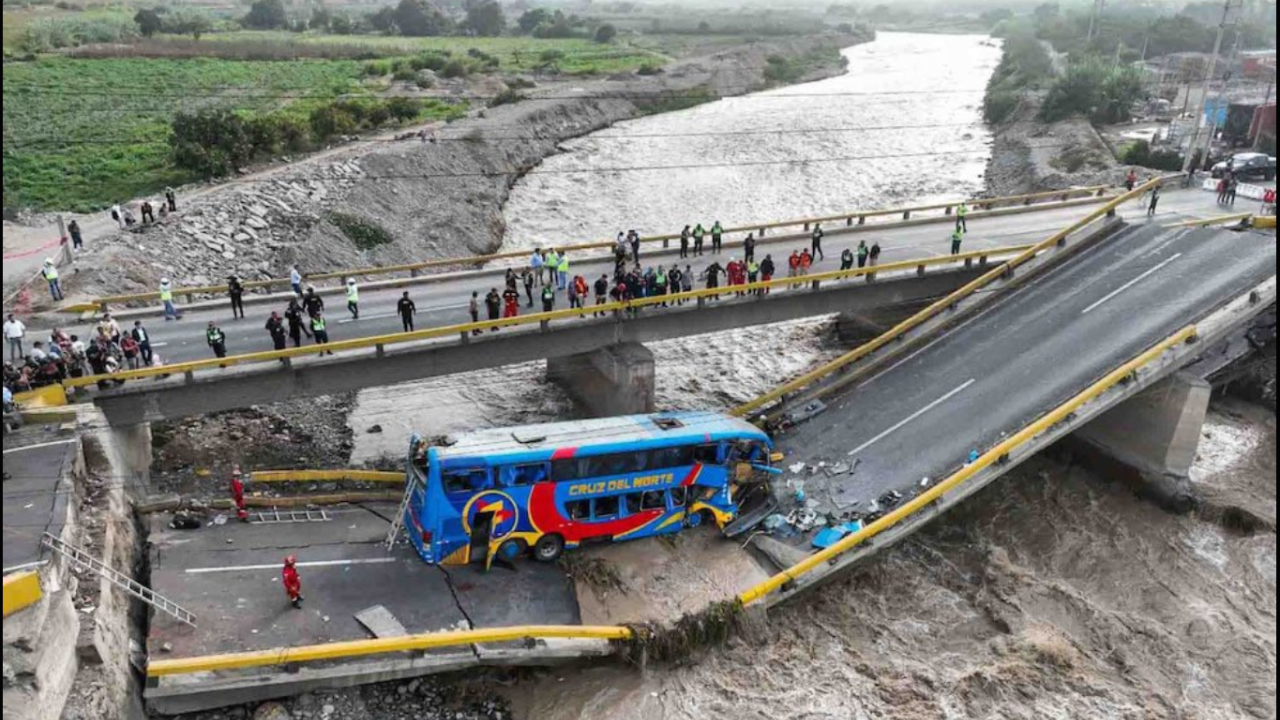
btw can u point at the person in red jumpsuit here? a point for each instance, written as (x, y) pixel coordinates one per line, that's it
(292, 583)
(237, 494)
(511, 298)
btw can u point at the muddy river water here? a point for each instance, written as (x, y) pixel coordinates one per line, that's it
(904, 125)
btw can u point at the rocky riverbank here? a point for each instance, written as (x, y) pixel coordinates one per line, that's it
(1033, 156)
(412, 198)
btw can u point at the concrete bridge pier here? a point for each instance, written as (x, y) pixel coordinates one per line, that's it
(615, 380)
(1150, 441)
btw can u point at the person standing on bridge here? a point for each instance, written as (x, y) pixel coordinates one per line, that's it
(143, 338)
(548, 299)
(551, 262)
(512, 280)
(295, 280)
(527, 279)
(292, 582)
(474, 309)
(510, 303)
(297, 327)
(320, 330)
(749, 247)
(1233, 188)
(684, 242)
(406, 310)
(874, 254)
(536, 263)
(166, 299)
(1155, 201)
(563, 271)
(962, 216)
(602, 293)
(699, 234)
(493, 304)
(236, 290)
(633, 237)
(353, 298)
(767, 270)
(50, 274)
(312, 302)
(806, 263)
(275, 328)
(717, 237)
(815, 249)
(1131, 180)
(14, 332)
(846, 259)
(863, 253)
(216, 339)
(957, 240)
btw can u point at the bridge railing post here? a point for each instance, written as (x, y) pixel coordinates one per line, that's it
(862, 219)
(920, 270)
(380, 350)
(544, 326)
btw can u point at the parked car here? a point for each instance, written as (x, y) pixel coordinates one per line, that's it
(1248, 165)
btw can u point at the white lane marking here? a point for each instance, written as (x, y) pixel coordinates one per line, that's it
(159, 344)
(383, 316)
(912, 418)
(41, 445)
(277, 566)
(1129, 284)
(26, 566)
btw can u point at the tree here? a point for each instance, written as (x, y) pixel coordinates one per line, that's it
(266, 15)
(321, 19)
(210, 142)
(341, 25)
(187, 22)
(533, 19)
(417, 18)
(486, 18)
(149, 22)
(606, 33)
(384, 21)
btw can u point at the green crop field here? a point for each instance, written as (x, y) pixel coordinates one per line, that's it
(516, 54)
(81, 134)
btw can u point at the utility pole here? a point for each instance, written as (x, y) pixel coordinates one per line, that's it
(1099, 6)
(1227, 7)
(1222, 95)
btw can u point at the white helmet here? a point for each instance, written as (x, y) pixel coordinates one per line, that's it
(48, 261)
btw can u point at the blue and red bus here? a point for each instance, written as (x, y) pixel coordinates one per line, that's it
(542, 489)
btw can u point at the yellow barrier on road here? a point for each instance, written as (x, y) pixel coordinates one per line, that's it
(21, 590)
(49, 396)
(938, 307)
(851, 218)
(1209, 222)
(282, 476)
(381, 646)
(992, 456)
(465, 331)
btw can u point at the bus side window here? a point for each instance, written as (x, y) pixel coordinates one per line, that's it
(707, 454)
(668, 458)
(654, 500)
(635, 504)
(606, 508)
(463, 481)
(524, 475)
(579, 510)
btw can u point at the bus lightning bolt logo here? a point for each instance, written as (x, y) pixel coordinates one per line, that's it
(501, 507)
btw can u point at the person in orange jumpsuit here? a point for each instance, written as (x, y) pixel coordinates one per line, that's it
(292, 583)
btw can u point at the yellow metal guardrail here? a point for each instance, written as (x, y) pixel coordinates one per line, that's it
(281, 476)
(466, 330)
(21, 590)
(938, 307)
(49, 396)
(380, 646)
(992, 456)
(1209, 222)
(851, 218)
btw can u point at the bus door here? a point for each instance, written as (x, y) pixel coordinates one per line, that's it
(482, 538)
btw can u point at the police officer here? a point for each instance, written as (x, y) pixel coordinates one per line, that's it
(216, 339)
(957, 239)
(236, 290)
(816, 244)
(406, 309)
(353, 299)
(320, 330)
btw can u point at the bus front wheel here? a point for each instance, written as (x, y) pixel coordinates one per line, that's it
(549, 548)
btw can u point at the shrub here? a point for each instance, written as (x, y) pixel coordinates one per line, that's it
(424, 82)
(998, 105)
(507, 97)
(606, 33)
(521, 84)
(266, 15)
(1096, 89)
(378, 68)
(211, 142)
(550, 56)
(430, 61)
(405, 75)
(365, 234)
(402, 108)
(650, 69)
(455, 69)
(1141, 154)
(333, 119)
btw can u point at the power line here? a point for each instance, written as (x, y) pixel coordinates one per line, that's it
(464, 138)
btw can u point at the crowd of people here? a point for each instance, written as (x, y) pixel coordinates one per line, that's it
(110, 349)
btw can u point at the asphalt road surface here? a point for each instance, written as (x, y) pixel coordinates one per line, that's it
(1027, 354)
(446, 303)
(37, 487)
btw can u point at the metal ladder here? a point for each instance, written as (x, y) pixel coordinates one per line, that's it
(275, 517)
(119, 579)
(397, 522)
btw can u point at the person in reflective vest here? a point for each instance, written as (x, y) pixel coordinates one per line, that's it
(292, 582)
(548, 299)
(216, 339)
(166, 298)
(962, 216)
(353, 299)
(320, 329)
(717, 237)
(698, 234)
(563, 271)
(50, 273)
(957, 239)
